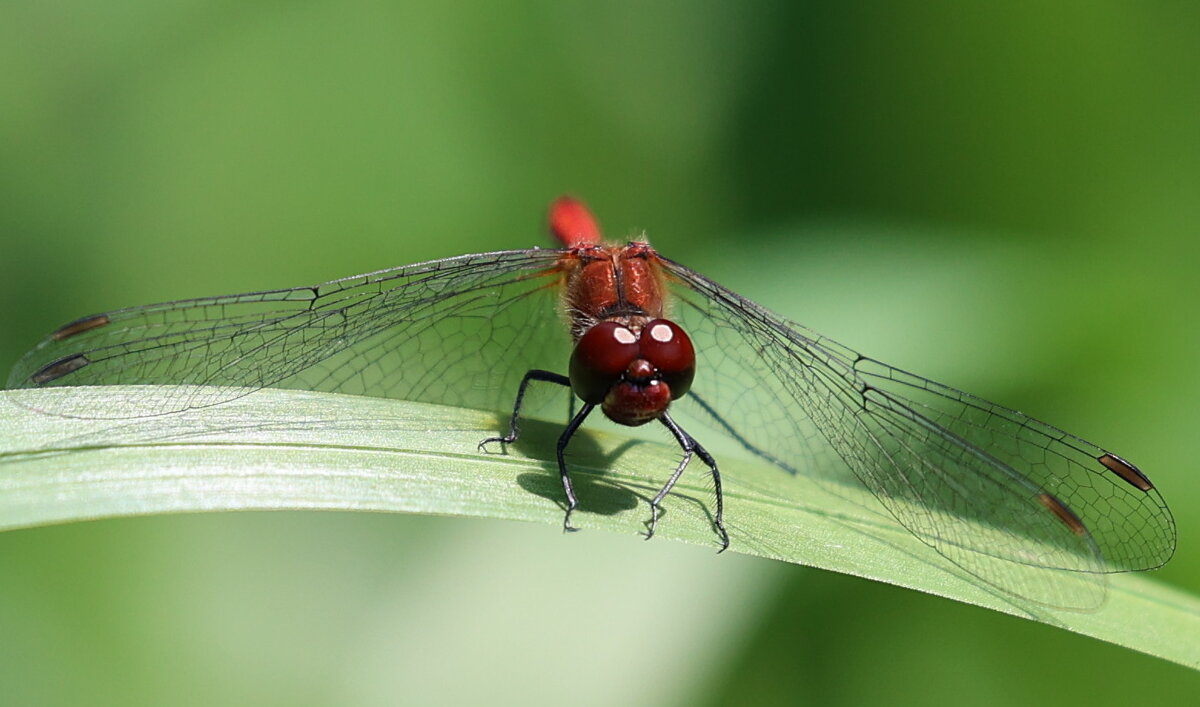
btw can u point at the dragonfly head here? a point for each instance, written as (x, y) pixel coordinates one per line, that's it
(632, 369)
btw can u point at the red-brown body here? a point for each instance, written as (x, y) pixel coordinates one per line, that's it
(609, 282)
(627, 358)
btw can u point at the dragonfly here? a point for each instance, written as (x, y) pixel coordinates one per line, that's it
(1015, 502)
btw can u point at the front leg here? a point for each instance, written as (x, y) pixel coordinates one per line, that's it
(562, 463)
(514, 429)
(690, 446)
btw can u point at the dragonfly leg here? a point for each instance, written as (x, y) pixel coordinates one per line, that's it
(690, 446)
(655, 506)
(514, 431)
(563, 440)
(514, 428)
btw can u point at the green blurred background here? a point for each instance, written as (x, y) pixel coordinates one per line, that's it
(1003, 199)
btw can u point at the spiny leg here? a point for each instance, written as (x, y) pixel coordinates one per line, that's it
(654, 503)
(719, 517)
(562, 463)
(514, 429)
(689, 446)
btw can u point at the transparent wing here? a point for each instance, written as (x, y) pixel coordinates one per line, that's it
(459, 331)
(1020, 504)
(1013, 501)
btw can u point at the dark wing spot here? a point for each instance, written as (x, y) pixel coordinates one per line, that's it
(1064, 514)
(58, 369)
(1126, 471)
(79, 326)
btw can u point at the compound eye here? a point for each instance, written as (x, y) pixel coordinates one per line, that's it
(600, 358)
(665, 344)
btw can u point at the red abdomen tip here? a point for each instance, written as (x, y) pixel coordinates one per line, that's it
(572, 223)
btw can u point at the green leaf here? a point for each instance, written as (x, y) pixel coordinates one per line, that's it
(300, 450)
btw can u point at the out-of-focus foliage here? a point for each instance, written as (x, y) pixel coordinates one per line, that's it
(1002, 199)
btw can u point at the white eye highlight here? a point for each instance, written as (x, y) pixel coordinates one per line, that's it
(624, 336)
(661, 333)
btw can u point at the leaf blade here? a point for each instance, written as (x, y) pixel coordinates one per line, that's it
(301, 450)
